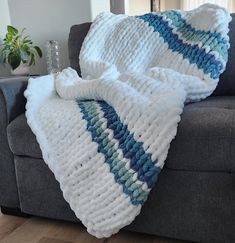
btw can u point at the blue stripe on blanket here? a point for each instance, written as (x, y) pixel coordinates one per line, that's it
(106, 146)
(205, 61)
(141, 161)
(212, 39)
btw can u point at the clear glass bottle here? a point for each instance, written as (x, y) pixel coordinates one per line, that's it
(53, 56)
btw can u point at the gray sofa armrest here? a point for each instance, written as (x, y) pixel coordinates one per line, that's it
(12, 91)
(12, 103)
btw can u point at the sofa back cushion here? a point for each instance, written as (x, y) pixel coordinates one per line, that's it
(226, 85)
(76, 37)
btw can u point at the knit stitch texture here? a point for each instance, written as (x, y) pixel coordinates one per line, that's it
(105, 136)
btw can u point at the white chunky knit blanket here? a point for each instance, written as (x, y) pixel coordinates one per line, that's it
(106, 136)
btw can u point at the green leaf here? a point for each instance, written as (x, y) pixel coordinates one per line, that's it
(31, 62)
(9, 36)
(26, 48)
(27, 41)
(14, 60)
(12, 29)
(39, 51)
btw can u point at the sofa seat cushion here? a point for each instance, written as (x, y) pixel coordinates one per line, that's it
(205, 139)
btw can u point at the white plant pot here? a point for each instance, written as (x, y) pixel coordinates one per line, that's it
(21, 70)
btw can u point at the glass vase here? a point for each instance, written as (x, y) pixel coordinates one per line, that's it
(53, 57)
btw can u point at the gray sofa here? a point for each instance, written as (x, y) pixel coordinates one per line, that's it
(195, 195)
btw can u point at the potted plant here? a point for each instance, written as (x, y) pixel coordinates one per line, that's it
(18, 51)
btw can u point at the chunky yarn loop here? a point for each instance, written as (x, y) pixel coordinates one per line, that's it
(105, 136)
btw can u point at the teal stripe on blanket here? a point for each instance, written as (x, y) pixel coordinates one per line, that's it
(204, 60)
(106, 146)
(140, 161)
(214, 40)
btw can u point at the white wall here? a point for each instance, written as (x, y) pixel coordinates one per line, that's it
(176, 4)
(138, 7)
(98, 6)
(130, 7)
(4, 17)
(4, 21)
(49, 19)
(173, 4)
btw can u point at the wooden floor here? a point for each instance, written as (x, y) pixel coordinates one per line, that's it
(38, 230)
